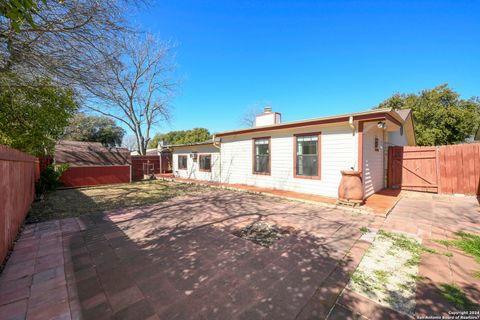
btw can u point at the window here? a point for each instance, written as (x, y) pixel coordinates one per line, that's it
(182, 162)
(377, 148)
(205, 162)
(261, 156)
(307, 156)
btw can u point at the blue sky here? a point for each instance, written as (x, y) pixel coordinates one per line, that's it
(311, 58)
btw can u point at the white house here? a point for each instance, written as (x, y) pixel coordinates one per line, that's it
(199, 161)
(303, 156)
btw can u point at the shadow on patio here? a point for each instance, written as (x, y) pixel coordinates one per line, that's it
(164, 260)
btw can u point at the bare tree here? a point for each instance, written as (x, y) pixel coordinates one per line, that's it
(130, 142)
(67, 42)
(137, 88)
(248, 117)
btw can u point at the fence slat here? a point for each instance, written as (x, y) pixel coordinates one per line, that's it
(18, 172)
(447, 169)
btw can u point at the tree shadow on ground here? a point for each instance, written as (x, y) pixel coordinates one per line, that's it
(180, 261)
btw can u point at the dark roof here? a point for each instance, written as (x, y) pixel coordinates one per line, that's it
(78, 154)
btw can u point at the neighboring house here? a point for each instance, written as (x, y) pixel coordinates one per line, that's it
(150, 152)
(200, 161)
(91, 163)
(303, 156)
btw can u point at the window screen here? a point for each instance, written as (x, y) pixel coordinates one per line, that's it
(307, 156)
(261, 156)
(205, 162)
(182, 162)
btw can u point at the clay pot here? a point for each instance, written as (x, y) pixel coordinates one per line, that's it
(351, 187)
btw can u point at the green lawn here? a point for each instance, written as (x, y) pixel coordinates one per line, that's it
(76, 202)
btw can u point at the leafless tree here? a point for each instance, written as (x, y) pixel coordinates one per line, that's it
(130, 142)
(136, 89)
(248, 117)
(68, 42)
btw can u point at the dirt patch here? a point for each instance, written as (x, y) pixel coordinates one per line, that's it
(262, 233)
(76, 202)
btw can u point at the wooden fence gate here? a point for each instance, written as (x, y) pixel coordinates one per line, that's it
(445, 169)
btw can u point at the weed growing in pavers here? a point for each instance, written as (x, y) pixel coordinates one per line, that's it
(467, 242)
(401, 241)
(364, 230)
(417, 278)
(456, 296)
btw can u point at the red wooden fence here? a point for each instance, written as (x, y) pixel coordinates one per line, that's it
(95, 175)
(141, 163)
(459, 169)
(453, 169)
(18, 172)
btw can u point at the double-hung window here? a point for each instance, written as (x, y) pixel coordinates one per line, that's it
(205, 162)
(307, 156)
(261, 156)
(182, 162)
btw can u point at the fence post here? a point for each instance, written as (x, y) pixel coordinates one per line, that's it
(437, 165)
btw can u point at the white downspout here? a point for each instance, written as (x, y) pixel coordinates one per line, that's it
(219, 157)
(354, 153)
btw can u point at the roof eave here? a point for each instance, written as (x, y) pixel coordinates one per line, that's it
(362, 116)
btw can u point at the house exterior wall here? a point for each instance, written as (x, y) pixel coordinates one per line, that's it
(338, 152)
(373, 161)
(397, 139)
(193, 170)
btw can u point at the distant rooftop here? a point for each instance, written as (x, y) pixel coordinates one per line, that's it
(78, 154)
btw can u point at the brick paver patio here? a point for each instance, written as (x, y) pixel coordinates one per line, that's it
(179, 260)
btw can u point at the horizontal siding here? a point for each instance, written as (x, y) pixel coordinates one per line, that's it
(193, 171)
(337, 150)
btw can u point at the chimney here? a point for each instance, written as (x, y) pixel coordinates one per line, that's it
(268, 117)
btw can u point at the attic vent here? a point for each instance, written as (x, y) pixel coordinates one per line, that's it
(267, 109)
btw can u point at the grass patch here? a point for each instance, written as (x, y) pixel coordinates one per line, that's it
(467, 242)
(382, 276)
(476, 274)
(76, 202)
(456, 296)
(417, 277)
(402, 242)
(364, 230)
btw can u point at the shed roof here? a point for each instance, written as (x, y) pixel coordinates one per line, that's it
(79, 154)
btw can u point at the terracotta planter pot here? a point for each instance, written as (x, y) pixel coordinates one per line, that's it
(351, 187)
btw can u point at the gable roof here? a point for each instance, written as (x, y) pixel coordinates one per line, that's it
(79, 154)
(388, 113)
(404, 113)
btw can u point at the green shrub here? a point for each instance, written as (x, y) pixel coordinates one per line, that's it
(50, 178)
